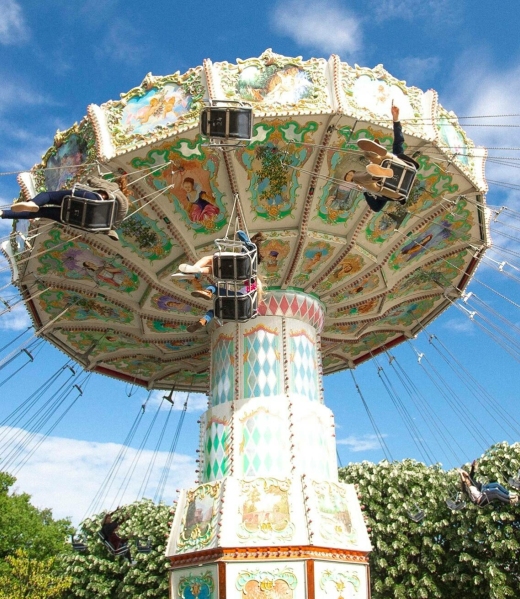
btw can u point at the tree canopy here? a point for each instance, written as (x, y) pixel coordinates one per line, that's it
(24, 526)
(96, 573)
(469, 553)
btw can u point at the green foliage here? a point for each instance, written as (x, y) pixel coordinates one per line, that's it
(29, 578)
(23, 526)
(467, 554)
(96, 573)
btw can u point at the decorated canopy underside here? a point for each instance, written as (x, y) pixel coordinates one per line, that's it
(121, 314)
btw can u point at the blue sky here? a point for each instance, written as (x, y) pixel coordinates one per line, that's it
(58, 57)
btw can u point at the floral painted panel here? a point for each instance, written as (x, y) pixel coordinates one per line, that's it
(267, 584)
(267, 161)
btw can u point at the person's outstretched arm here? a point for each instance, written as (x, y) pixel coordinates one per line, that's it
(398, 147)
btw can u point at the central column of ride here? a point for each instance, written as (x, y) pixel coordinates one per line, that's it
(269, 517)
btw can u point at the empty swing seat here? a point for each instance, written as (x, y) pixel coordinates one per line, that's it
(227, 122)
(89, 215)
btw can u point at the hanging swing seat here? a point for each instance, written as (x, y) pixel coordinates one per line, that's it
(78, 544)
(119, 551)
(417, 515)
(143, 545)
(89, 215)
(456, 503)
(233, 302)
(515, 482)
(227, 121)
(235, 260)
(399, 185)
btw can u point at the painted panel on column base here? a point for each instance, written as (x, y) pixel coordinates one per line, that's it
(334, 516)
(263, 511)
(194, 583)
(196, 518)
(341, 581)
(269, 580)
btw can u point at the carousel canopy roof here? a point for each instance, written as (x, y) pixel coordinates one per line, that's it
(381, 276)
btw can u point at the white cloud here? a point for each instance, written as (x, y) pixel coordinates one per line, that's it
(361, 443)
(437, 11)
(13, 28)
(66, 474)
(325, 26)
(15, 320)
(460, 325)
(415, 69)
(482, 89)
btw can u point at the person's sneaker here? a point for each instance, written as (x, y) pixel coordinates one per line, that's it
(367, 145)
(113, 235)
(513, 498)
(196, 326)
(203, 294)
(189, 268)
(25, 207)
(182, 275)
(379, 171)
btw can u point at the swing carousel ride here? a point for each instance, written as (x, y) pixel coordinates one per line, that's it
(375, 279)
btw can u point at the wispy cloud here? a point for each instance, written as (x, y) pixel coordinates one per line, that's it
(437, 11)
(65, 474)
(415, 69)
(121, 42)
(15, 320)
(323, 26)
(13, 28)
(461, 325)
(361, 443)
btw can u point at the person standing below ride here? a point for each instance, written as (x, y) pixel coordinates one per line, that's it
(370, 180)
(483, 494)
(108, 532)
(47, 204)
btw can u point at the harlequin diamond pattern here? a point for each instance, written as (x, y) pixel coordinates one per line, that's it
(261, 370)
(261, 456)
(300, 306)
(216, 452)
(315, 461)
(304, 375)
(223, 372)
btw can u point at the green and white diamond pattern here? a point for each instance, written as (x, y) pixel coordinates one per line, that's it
(264, 442)
(304, 372)
(223, 371)
(262, 366)
(216, 452)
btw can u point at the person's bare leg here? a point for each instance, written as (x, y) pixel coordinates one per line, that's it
(203, 266)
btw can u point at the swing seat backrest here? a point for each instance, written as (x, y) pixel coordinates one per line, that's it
(230, 266)
(88, 215)
(239, 308)
(121, 551)
(402, 180)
